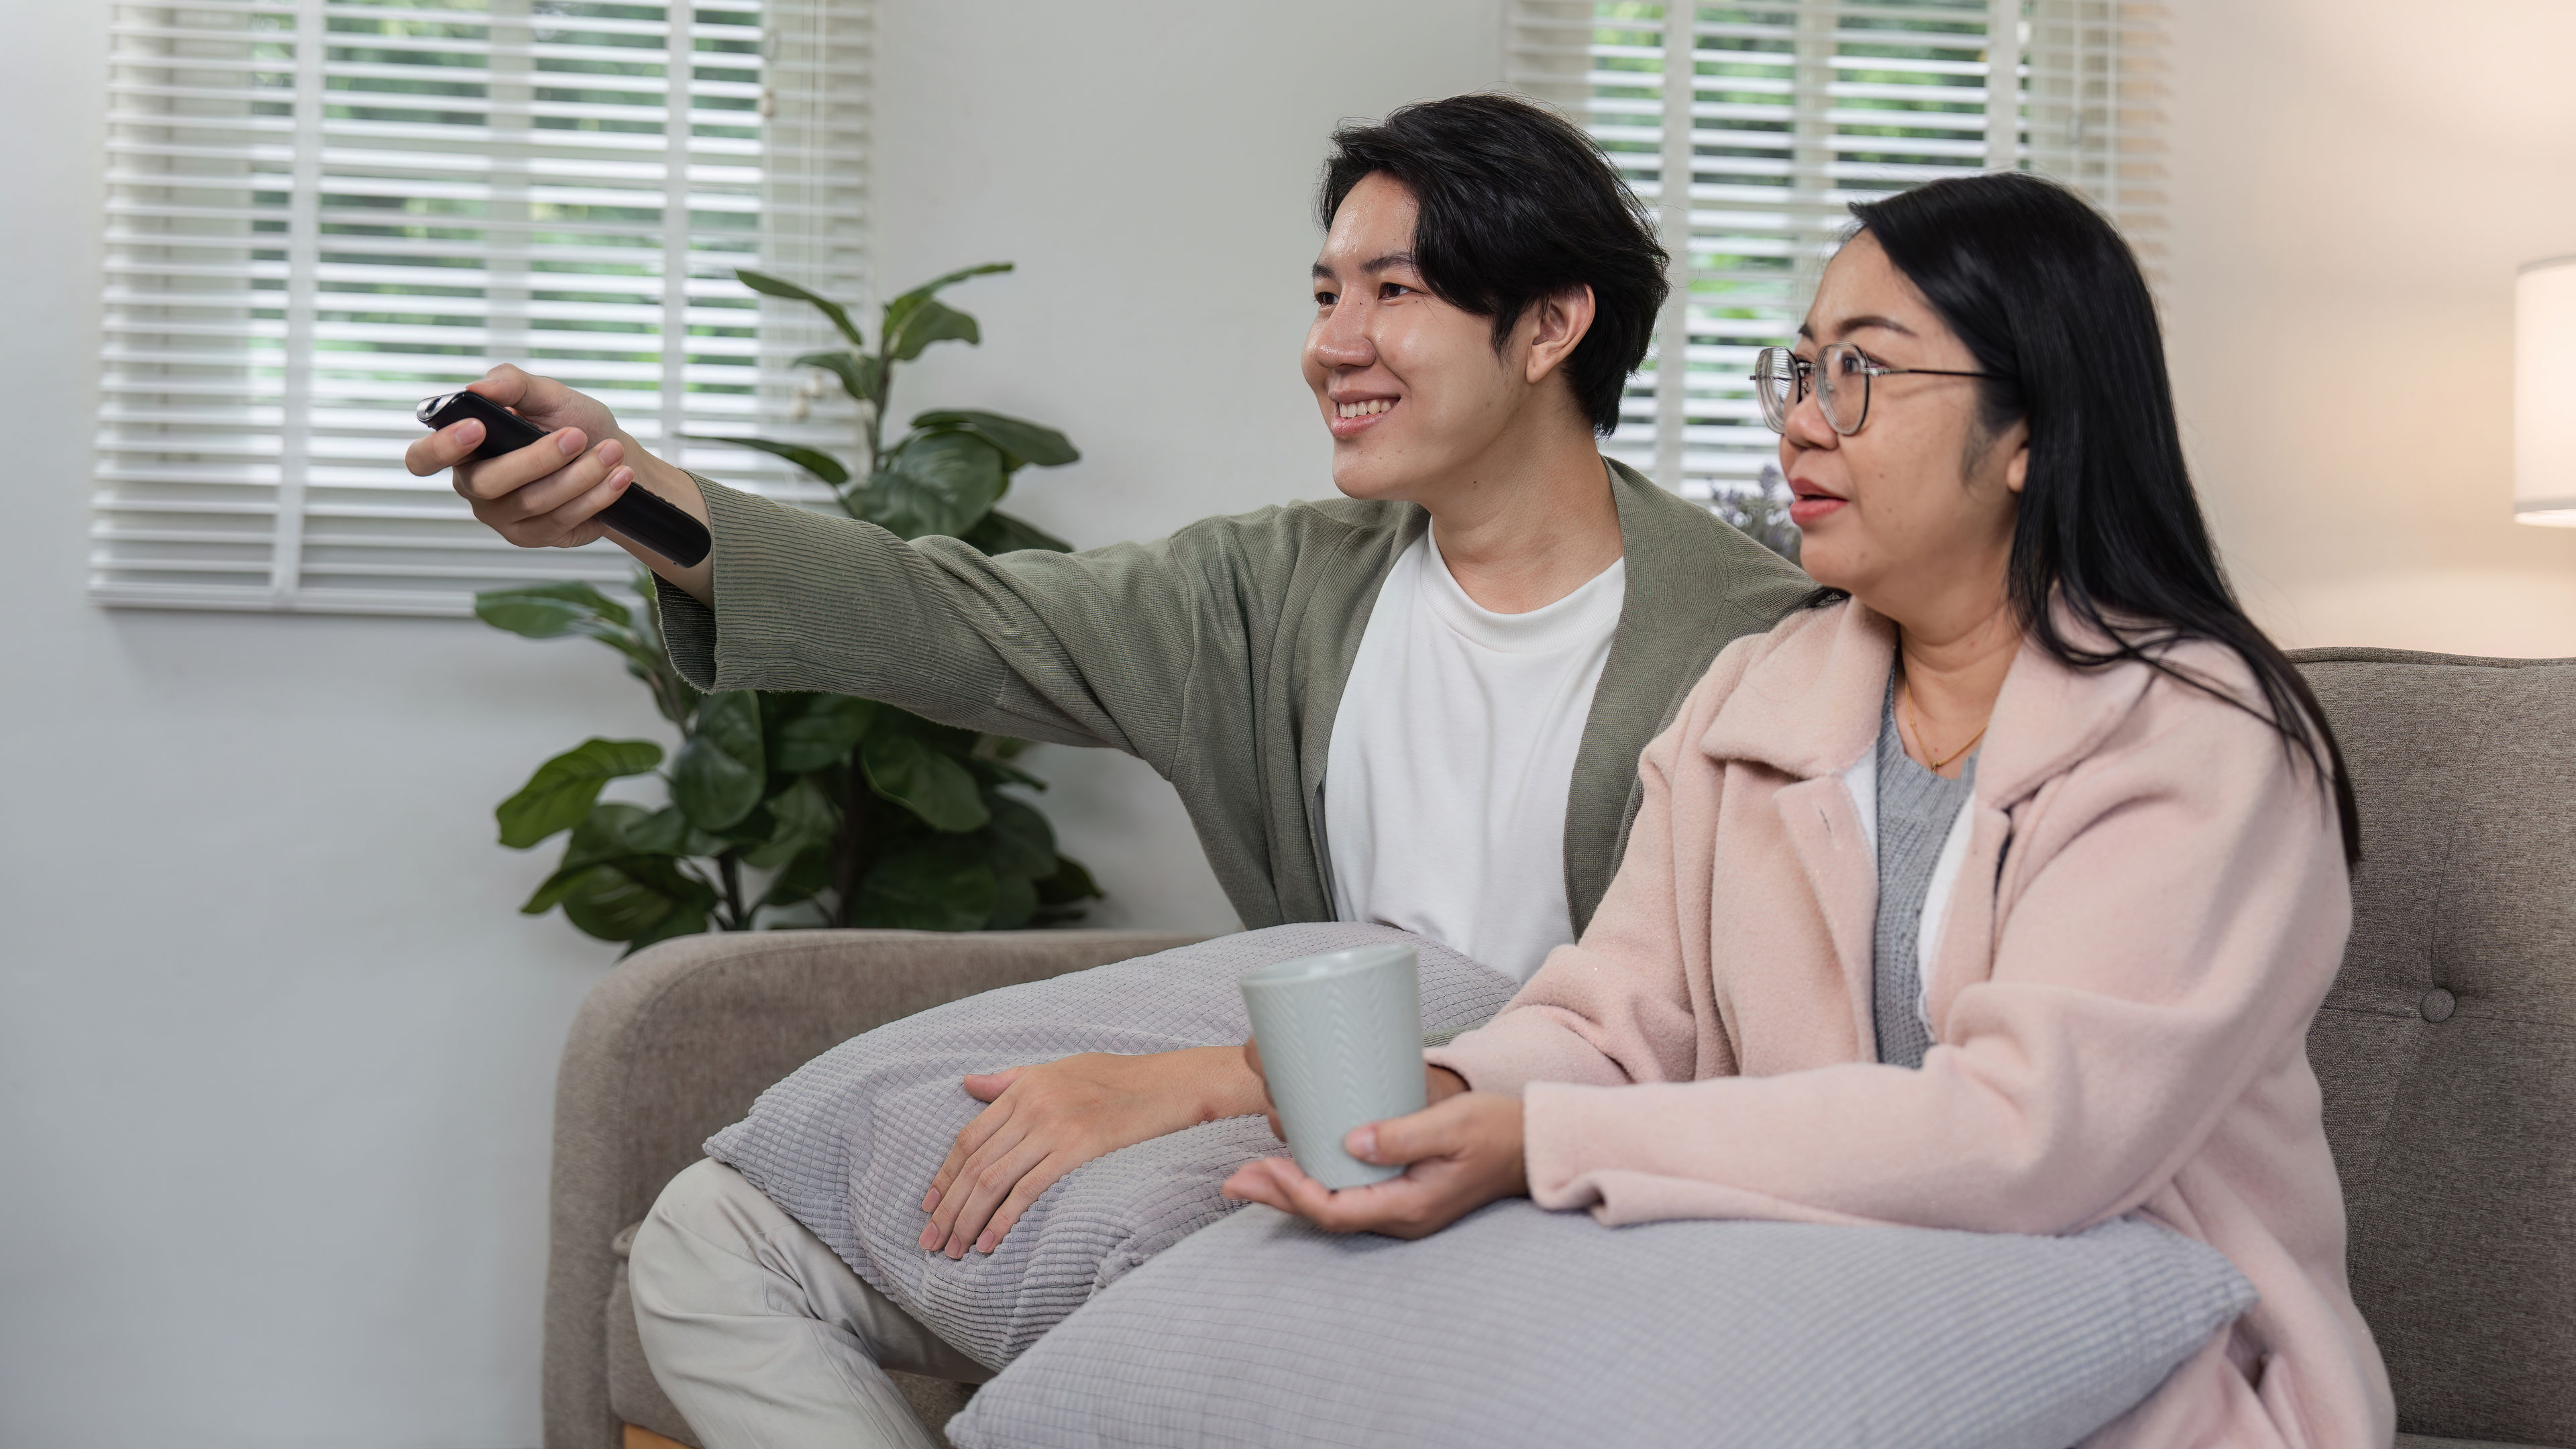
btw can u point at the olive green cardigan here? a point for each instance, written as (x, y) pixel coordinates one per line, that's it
(1216, 655)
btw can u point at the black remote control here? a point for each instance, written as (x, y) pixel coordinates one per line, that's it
(639, 513)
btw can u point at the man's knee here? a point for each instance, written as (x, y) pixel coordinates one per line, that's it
(700, 1241)
(706, 1199)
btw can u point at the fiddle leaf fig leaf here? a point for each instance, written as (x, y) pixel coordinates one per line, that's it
(929, 322)
(667, 831)
(916, 775)
(1021, 441)
(621, 900)
(800, 878)
(900, 311)
(689, 919)
(858, 372)
(820, 735)
(800, 820)
(612, 829)
(1002, 772)
(1018, 841)
(821, 464)
(770, 286)
(550, 611)
(999, 533)
(1014, 901)
(927, 890)
(718, 775)
(936, 483)
(564, 788)
(1069, 884)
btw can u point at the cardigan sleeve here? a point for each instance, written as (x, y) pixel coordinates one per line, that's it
(1093, 648)
(2167, 930)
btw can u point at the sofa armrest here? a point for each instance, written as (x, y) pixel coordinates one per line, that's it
(677, 1041)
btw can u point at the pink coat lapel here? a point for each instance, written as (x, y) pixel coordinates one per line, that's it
(1811, 708)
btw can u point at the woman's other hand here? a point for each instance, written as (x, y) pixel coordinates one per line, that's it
(1459, 1155)
(549, 494)
(1049, 1119)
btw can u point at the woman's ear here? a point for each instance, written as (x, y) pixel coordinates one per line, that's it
(2016, 463)
(1558, 324)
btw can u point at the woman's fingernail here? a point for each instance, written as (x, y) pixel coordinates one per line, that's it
(929, 1239)
(986, 1244)
(569, 441)
(470, 431)
(930, 1201)
(1362, 1143)
(621, 477)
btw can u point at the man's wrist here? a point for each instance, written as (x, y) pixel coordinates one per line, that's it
(673, 484)
(1223, 1084)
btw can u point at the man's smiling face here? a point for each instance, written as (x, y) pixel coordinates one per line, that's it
(1409, 384)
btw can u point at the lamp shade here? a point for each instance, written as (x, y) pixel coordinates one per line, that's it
(2544, 393)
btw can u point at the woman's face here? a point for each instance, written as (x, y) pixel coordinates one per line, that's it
(1914, 513)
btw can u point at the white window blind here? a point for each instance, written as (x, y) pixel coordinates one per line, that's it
(321, 211)
(1750, 128)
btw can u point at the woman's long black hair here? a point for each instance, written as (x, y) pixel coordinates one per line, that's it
(2050, 300)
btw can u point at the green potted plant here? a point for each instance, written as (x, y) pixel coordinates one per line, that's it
(809, 809)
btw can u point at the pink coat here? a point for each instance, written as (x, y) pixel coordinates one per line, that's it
(2154, 902)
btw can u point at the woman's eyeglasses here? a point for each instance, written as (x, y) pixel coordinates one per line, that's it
(1840, 375)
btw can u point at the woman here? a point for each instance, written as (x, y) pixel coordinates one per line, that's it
(1994, 892)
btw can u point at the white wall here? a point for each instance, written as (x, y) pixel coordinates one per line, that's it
(2354, 182)
(276, 1054)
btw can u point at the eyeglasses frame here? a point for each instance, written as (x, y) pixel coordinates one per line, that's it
(1804, 371)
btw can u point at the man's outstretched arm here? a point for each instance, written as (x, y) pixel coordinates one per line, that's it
(1089, 649)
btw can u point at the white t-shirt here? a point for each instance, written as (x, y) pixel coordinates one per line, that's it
(1453, 749)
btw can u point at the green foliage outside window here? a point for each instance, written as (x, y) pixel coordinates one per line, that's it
(809, 809)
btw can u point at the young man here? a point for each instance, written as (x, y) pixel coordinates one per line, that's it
(1420, 704)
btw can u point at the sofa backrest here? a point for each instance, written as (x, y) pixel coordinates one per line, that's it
(2448, 1047)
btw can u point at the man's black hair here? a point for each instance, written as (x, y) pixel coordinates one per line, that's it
(1517, 205)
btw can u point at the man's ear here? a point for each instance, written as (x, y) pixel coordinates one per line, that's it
(1557, 325)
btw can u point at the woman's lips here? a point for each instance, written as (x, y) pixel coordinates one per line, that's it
(1811, 507)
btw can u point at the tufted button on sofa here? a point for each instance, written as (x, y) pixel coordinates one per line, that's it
(2447, 1054)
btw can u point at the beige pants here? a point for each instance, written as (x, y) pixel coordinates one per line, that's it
(762, 1336)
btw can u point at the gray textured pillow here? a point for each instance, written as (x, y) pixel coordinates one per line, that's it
(1518, 1326)
(848, 1143)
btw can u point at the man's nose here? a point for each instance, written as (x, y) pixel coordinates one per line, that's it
(1342, 338)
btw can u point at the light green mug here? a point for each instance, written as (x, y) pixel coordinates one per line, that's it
(1341, 1044)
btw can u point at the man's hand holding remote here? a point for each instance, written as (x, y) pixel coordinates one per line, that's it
(549, 493)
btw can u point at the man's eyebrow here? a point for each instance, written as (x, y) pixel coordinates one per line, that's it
(1388, 262)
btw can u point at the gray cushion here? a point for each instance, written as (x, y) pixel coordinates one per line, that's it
(847, 1144)
(1520, 1326)
(2447, 1049)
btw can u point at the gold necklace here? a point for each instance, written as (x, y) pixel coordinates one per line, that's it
(1914, 726)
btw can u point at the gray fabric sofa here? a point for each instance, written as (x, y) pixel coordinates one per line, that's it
(2447, 1053)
